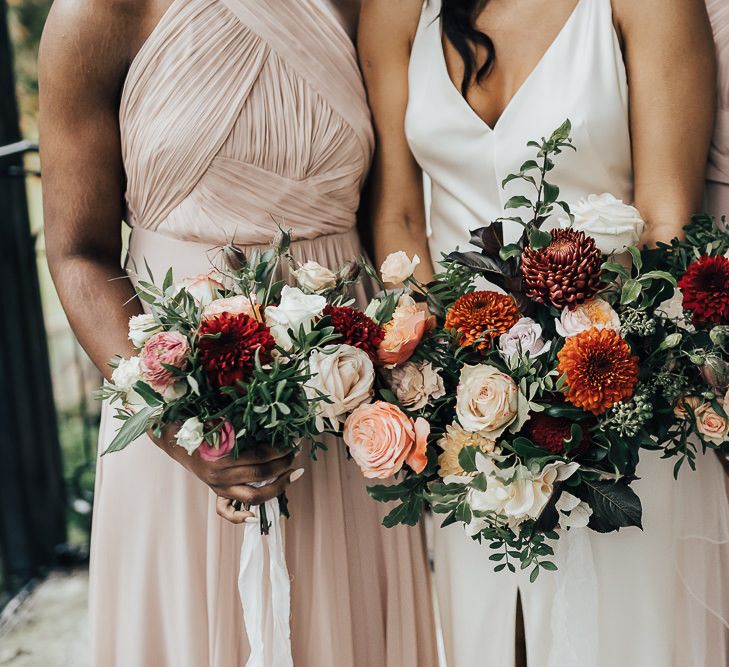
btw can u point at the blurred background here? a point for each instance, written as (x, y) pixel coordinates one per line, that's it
(48, 412)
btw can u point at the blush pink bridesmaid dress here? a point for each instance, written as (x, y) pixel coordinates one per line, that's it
(237, 115)
(718, 174)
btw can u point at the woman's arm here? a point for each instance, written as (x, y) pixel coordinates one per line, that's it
(669, 52)
(82, 64)
(386, 30)
(84, 55)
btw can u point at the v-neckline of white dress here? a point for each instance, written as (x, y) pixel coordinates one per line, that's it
(524, 85)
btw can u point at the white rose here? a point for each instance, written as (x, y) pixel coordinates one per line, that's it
(315, 278)
(126, 374)
(296, 310)
(523, 497)
(524, 337)
(398, 267)
(415, 384)
(573, 512)
(345, 375)
(233, 305)
(203, 288)
(487, 400)
(190, 435)
(613, 224)
(593, 314)
(141, 328)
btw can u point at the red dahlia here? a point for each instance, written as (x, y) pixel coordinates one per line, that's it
(227, 346)
(355, 329)
(705, 288)
(565, 273)
(550, 433)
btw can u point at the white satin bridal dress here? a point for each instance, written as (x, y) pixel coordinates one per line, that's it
(640, 599)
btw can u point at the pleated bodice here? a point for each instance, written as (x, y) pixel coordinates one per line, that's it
(208, 152)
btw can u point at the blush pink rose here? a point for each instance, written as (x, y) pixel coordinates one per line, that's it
(382, 438)
(233, 305)
(226, 442)
(403, 333)
(166, 347)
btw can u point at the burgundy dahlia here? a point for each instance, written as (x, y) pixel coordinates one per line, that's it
(355, 329)
(565, 273)
(227, 347)
(550, 433)
(705, 289)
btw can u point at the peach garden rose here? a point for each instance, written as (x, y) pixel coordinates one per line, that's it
(711, 425)
(381, 438)
(403, 333)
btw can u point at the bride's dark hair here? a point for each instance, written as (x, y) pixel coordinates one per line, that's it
(458, 18)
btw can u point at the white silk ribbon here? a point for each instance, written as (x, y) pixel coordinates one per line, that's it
(266, 595)
(574, 610)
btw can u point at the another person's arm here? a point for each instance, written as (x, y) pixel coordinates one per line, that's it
(398, 215)
(669, 53)
(84, 55)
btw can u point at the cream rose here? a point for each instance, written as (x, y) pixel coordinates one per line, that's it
(233, 305)
(315, 278)
(345, 375)
(295, 310)
(141, 329)
(593, 314)
(711, 425)
(190, 435)
(204, 288)
(415, 384)
(487, 400)
(613, 224)
(398, 267)
(524, 337)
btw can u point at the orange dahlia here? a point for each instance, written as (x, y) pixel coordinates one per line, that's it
(482, 316)
(601, 371)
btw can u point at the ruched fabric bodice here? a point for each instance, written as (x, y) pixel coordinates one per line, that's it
(719, 156)
(208, 153)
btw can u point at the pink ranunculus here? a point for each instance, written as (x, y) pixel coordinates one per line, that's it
(233, 305)
(382, 438)
(226, 442)
(165, 347)
(403, 333)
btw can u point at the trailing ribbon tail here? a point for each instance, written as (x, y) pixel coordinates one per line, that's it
(266, 595)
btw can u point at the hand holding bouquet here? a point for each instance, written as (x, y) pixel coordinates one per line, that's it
(230, 356)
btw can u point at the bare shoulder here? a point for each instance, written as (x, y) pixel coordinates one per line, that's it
(92, 39)
(383, 22)
(654, 19)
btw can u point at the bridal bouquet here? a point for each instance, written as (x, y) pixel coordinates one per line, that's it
(236, 357)
(536, 396)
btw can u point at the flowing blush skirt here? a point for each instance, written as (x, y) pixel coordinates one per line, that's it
(164, 566)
